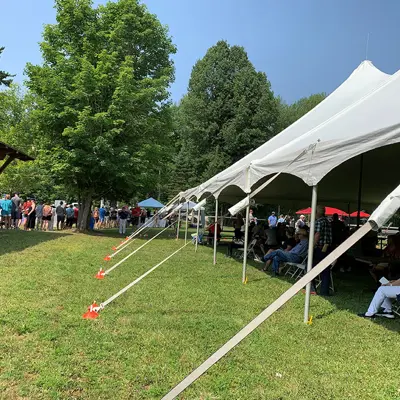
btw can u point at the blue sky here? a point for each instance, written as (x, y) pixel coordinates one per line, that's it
(304, 47)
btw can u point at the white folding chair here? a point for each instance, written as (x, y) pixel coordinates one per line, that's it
(318, 279)
(250, 250)
(295, 270)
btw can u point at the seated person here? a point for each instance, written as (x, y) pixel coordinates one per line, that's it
(280, 233)
(382, 300)
(389, 264)
(211, 232)
(290, 240)
(295, 255)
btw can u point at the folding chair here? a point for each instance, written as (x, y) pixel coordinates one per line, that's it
(318, 279)
(250, 250)
(295, 270)
(396, 306)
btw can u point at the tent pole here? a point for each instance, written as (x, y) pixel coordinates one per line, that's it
(246, 239)
(310, 251)
(360, 189)
(197, 231)
(215, 231)
(187, 217)
(178, 225)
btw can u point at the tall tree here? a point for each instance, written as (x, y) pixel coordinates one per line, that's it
(102, 97)
(288, 114)
(4, 76)
(229, 110)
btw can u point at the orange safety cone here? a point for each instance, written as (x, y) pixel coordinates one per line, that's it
(92, 312)
(127, 238)
(114, 248)
(107, 258)
(100, 274)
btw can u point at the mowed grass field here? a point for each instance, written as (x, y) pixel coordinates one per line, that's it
(151, 337)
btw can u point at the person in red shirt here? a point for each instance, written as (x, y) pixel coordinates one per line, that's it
(25, 211)
(211, 232)
(76, 212)
(136, 211)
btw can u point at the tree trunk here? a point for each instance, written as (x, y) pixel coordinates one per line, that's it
(85, 207)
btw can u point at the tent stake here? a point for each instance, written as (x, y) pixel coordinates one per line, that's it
(310, 250)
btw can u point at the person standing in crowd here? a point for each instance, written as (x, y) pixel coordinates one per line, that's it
(136, 211)
(251, 216)
(46, 216)
(323, 243)
(6, 208)
(123, 216)
(338, 230)
(39, 215)
(31, 216)
(113, 217)
(60, 213)
(143, 216)
(69, 212)
(239, 222)
(107, 218)
(272, 220)
(102, 215)
(16, 203)
(25, 210)
(281, 219)
(96, 217)
(301, 222)
(76, 214)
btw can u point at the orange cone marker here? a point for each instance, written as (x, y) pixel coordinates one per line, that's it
(92, 312)
(114, 248)
(107, 258)
(100, 274)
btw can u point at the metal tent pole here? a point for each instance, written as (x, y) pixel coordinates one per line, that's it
(246, 239)
(215, 231)
(360, 189)
(310, 250)
(197, 231)
(179, 224)
(187, 217)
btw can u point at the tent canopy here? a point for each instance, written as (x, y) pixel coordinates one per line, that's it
(188, 205)
(151, 203)
(363, 81)
(328, 211)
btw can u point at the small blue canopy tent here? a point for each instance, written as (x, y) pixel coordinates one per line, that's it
(151, 203)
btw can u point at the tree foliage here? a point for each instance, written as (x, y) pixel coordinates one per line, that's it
(229, 110)
(5, 77)
(102, 97)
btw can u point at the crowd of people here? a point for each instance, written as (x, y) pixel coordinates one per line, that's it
(30, 214)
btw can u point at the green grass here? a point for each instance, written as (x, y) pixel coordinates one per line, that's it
(151, 337)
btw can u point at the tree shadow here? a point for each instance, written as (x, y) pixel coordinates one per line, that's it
(353, 290)
(19, 240)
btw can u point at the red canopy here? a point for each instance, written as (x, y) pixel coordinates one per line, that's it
(362, 214)
(328, 211)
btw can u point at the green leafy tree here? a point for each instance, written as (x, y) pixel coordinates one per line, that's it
(4, 76)
(288, 114)
(229, 110)
(102, 98)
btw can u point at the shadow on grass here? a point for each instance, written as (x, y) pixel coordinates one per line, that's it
(353, 290)
(18, 240)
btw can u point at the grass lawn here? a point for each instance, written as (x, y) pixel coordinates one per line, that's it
(151, 337)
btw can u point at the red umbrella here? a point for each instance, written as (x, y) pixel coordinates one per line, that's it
(362, 214)
(328, 211)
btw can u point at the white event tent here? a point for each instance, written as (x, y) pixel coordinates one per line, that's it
(232, 183)
(360, 118)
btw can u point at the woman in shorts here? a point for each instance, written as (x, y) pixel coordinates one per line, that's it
(47, 211)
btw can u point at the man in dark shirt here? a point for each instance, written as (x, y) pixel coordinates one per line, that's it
(323, 244)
